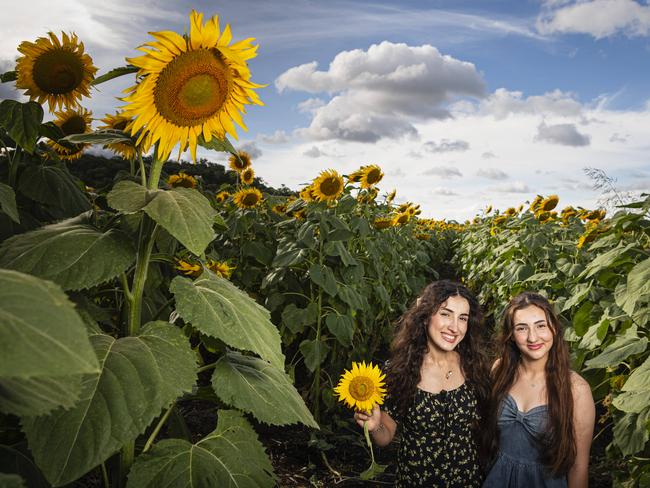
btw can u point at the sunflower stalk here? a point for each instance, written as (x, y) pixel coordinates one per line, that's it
(145, 247)
(154, 174)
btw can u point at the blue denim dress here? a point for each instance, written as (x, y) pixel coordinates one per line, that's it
(517, 463)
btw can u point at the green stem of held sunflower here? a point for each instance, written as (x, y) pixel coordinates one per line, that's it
(368, 441)
(147, 240)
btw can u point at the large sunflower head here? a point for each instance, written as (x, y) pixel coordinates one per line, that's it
(72, 122)
(247, 176)
(56, 71)
(181, 180)
(363, 387)
(247, 198)
(191, 86)
(401, 218)
(328, 186)
(549, 203)
(240, 161)
(368, 176)
(118, 121)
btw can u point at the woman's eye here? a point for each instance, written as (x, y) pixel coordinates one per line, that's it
(541, 326)
(464, 319)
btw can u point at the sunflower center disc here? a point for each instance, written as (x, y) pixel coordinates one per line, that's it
(373, 176)
(192, 88)
(58, 71)
(74, 125)
(250, 199)
(330, 186)
(361, 388)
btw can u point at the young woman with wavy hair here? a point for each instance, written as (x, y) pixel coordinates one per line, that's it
(541, 414)
(436, 379)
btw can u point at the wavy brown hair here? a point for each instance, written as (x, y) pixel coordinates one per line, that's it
(557, 445)
(410, 345)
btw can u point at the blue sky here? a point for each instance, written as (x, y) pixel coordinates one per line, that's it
(462, 103)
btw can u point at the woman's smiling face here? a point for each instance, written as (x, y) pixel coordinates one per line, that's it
(532, 333)
(448, 325)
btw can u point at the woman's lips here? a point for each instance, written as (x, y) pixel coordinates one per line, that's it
(534, 347)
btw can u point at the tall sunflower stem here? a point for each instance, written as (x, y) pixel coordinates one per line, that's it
(318, 330)
(140, 276)
(159, 425)
(126, 461)
(143, 172)
(154, 174)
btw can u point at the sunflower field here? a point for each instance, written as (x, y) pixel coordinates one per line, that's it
(123, 309)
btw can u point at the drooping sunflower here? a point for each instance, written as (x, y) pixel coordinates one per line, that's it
(307, 194)
(328, 186)
(383, 223)
(368, 176)
(391, 196)
(401, 218)
(191, 86)
(500, 220)
(363, 387)
(549, 203)
(188, 268)
(534, 206)
(247, 198)
(118, 121)
(510, 211)
(71, 122)
(221, 268)
(222, 196)
(56, 71)
(247, 176)
(239, 162)
(181, 180)
(488, 209)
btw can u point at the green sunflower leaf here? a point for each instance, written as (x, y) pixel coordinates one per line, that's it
(114, 73)
(323, 277)
(8, 202)
(186, 214)
(103, 136)
(314, 353)
(619, 350)
(8, 76)
(229, 457)
(22, 122)
(139, 376)
(253, 385)
(341, 326)
(11, 481)
(637, 287)
(220, 145)
(43, 345)
(129, 197)
(217, 308)
(70, 253)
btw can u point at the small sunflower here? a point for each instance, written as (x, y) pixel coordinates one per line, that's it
(118, 122)
(247, 176)
(510, 211)
(221, 268)
(413, 210)
(368, 176)
(401, 218)
(188, 268)
(71, 122)
(191, 86)
(222, 196)
(239, 162)
(383, 223)
(549, 203)
(247, 198)
(280, 209)
(488, 209)
(500, 220)
(181, 180)
(391, 196)
(328, 186)
(307, 194)
(362, 388)
(59, 72)
(534, 206)
(299, 214)
(543, 216)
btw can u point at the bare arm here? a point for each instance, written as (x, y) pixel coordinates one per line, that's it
(381, 426)
(584, 415)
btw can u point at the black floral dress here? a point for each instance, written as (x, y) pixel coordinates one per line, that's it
(437, 446)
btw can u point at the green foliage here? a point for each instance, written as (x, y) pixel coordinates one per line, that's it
(22, 122)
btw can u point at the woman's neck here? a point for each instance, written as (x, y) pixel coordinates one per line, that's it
(532, 368)
(438, 357)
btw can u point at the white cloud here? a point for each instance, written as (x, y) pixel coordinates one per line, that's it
(278, 137)
(251, 148)
(314, 152)
(492, 174)
(616, 137)
(445, 146)
(503, 103)
(446, 171)
(565, 134)
(598, 18)
(514, 187)
(381, 92)
(488, 155)
(311, 105)
(441, 190)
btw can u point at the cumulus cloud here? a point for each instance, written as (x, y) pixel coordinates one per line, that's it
(514, 187)
(380, 92)
(445, 146)
(492, 174)
(446, 171)
(503, 103)
(441, 190)
(598, 18)
(616, 137)
(252, 149)
(488, 155)
(278, 137)
(311, 105)
(564, 134)
(314, 152)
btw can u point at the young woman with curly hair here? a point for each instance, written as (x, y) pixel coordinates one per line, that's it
(436, 379)
(541, 414)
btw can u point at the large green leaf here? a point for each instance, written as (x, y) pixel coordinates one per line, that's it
(129, 197)
(22, 122)
(70, 253)
(638, 287)
(579, 293)
(253, 385)
(341, 326)
(104, 136)
(139, 376)
(219, 309)
(605, 260)
(114, 73)
(323, 277)
(54, 187)
(17, 459)
(229, 457)
(630, 432)
(186, 214)
(43, 346)
(636, 390)
(314, 352)
(8, 202)
(619, 350)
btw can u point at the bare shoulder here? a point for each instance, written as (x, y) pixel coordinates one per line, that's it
(495, 364)
(580, 388)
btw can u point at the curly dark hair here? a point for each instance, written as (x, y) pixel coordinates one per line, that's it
(409, 346)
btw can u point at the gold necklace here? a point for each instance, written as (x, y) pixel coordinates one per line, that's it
(448, 375)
